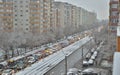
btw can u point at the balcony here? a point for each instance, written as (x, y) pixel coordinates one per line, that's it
(6, 12)
(35, 22)
(35, 12)
(6, 2)
(113, 24)
(10, 8)
(114, 17)
(6, 17)
(114, 2)
(34, 17)
(33, 8)
(34, 3)
(114, 9)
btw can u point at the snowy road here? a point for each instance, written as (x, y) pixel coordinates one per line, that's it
(48, 63)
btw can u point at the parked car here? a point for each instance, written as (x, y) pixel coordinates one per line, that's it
(1, 71)
(2, 66)
(73, 71)
(89, 71)
(20, 65)
(93, 57)
(88, 56)
(85, 63)
(31, 60)
(7, 72)
(90, 62)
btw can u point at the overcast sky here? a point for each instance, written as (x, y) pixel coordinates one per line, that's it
(101, 7)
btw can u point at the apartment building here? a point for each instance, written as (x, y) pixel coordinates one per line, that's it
(6, 15)
(47, 15)
(113, 17)
(26, 15)
(72, 17)
(59, 7)
(67, 14)
(40, 16)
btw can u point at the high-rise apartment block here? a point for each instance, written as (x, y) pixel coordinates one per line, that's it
(72, 16)
(38, 16)
(26, 15)
(113, 18)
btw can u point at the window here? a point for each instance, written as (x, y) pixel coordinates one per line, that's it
(26, 10)
(15, 6)
(16, 24)
(26, 28)
(21, 6)
(26, 5)
(21, 1)
(15, 19)
(26, 19)
(21, 10)
(21, 15)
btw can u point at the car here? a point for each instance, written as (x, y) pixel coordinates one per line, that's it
(93, 57)
(85, 63)
(92, 50)
(1, 71)
(90, 62)
(20, 65)
(7, 72)
(73, 71)
(31, 60)
(88, 56)
(89, 71)
(2, 66)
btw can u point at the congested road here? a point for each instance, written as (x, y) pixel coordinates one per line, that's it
(46, 64)
(42, 54)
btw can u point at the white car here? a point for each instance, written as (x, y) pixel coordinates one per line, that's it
(73, 71)
(85, 63)
(90, 62)
(31, 60)
(89, 71)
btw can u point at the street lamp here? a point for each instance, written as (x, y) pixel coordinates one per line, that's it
(82, 57)
(65, 62)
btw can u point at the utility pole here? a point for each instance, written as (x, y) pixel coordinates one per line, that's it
(65, 64)
(82, 57)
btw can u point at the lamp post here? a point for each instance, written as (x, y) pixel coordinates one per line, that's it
(82, 57)
(65, 64)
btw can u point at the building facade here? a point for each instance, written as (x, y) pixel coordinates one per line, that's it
(40, 16)
(6, 15)
(72, 17)
(26, 15)
(113, 17)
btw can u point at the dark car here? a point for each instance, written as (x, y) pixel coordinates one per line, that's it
(1, 66)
